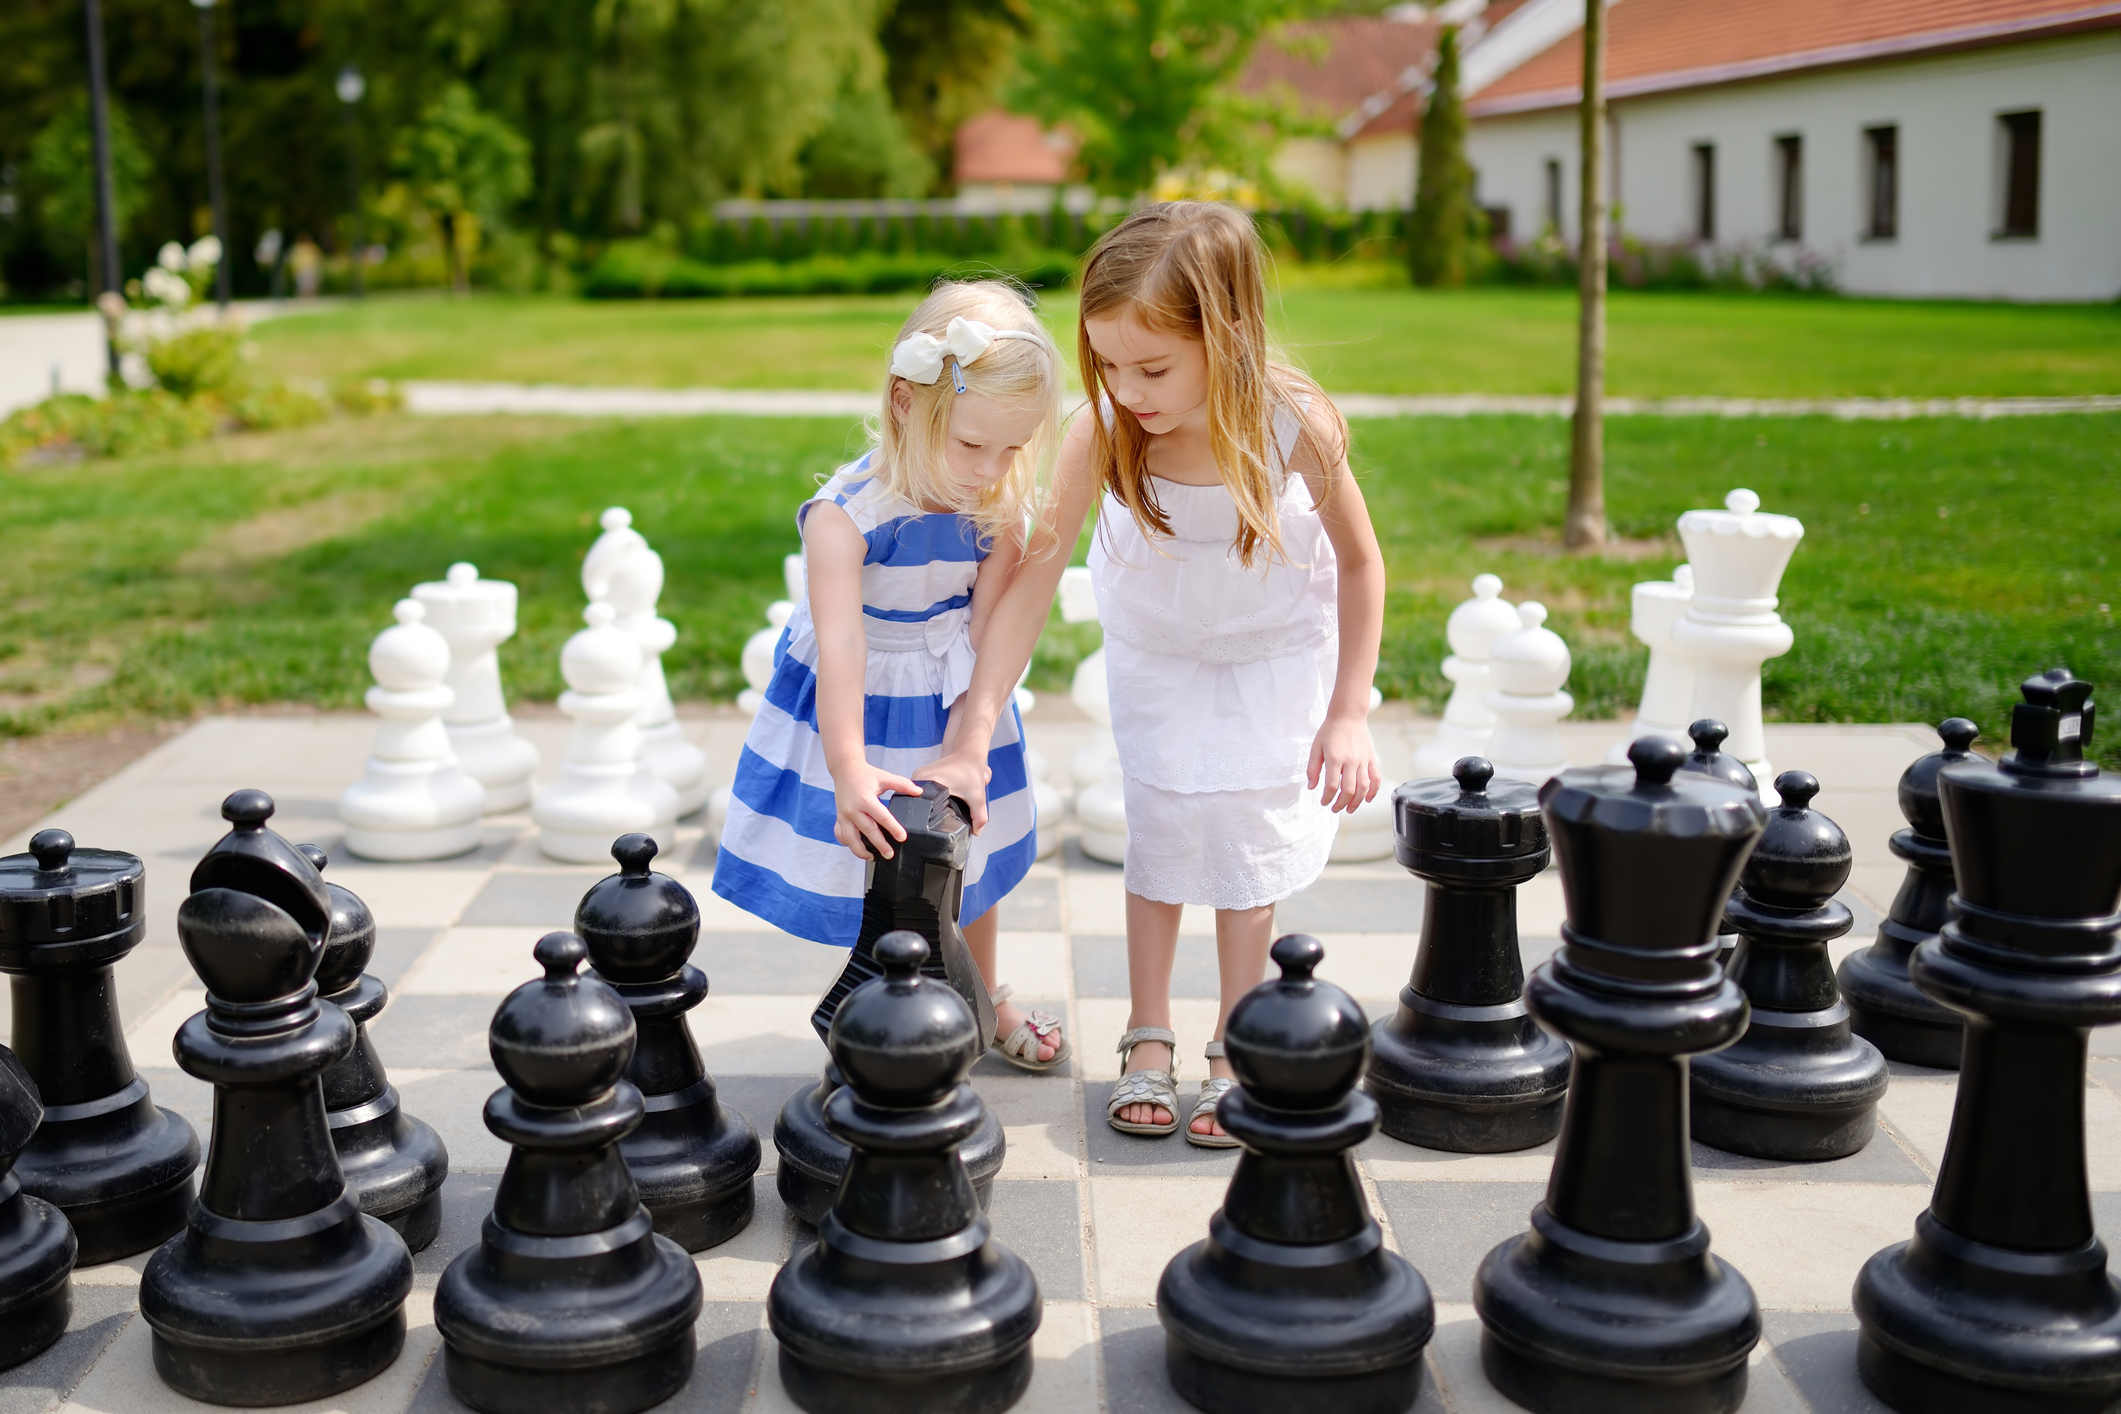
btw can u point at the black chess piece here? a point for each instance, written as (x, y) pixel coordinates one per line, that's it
(119, 1166)
(918, 890)
(906, 1304)
(36, 1245)
(394, 1164)
(571, 1303)
(1707, 759)
(692, 1159)
(1799, 1084)
(279, 1289)
(2003, 1302)
(1890, 1011)
(1462, 1065)
(1292, 1303)
(1613, 1301)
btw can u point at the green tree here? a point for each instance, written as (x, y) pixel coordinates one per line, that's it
(1148, 85)
(62, 162)
(462, 162)
(946, 61)
(1443, 190)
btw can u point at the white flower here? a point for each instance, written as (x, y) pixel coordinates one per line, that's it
(171, 257)
(205, 253)
(165, 286)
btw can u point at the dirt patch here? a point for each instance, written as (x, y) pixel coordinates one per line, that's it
(38, 774)
(1662, 547)
(284, 530)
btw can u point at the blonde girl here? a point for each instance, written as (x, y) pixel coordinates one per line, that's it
(906, 549)
(1242, 594)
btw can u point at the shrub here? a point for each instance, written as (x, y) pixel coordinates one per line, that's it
(208, 359)
(639, 270)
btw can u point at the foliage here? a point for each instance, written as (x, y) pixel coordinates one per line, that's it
(945, 61)
(1442, 226)
(62, 162)
(640, 269)
(463, 165)
(1148, 85)
(1636, 264)
(207, 359)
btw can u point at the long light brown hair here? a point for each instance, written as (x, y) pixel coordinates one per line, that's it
(1198, 269)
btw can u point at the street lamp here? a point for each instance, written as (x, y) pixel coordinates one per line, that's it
(350, 86)
(111, 277)
(213, 148)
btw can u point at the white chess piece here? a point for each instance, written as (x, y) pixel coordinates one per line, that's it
(605, 790)
(618, 541)
(1101, 791)
(1051, 805)
(795, 574)
(1366, 833)
(1668, 686)
(412, 801)
(636, 583)
(757, 659)
(477, 616)
(1473, 630)
(1731, 626)
(1528, 669)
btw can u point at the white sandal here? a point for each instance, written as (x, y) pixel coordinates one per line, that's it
(1021, 1049)
(1144, 1087)
(1212, 1091)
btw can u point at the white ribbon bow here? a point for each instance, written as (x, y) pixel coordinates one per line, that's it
(919, 357)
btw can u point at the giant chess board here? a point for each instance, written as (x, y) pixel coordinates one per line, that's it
(1096, 1214)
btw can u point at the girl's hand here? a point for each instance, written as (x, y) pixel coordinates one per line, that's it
(863, 823)
(1344, 768)
(964, 774)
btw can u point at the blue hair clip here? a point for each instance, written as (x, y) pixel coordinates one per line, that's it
(957, 376)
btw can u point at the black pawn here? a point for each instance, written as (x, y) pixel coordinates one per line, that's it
(906, 1302)
(917, 890)
(279, 1289)
(394, 1164)
(1707, 759)
(1462, 1065)
(1292, 1303)
(2003, 1302)
(1613, 1301)
(1798, 1084)
(691, 1158)
(1890, 1011)
(36, 1245)
(119, 1166)
(571, 1303)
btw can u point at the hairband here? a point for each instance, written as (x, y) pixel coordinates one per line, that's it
(919, 357)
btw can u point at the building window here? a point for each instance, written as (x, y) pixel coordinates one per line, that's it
(1882, 155)
(1704, 191)
(1553, 175)
(2020, 140)
(1789, 187)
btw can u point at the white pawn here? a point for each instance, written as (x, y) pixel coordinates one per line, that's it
(1527, 670)
(618, 541)
(605, 790)
(477, 616)
(1473, 630)
(1668, 686)
(636, 583)
(1101, 804)
(1731, 626)
(1366, 833)
(412, 801)
(757, 659)
(1050, 804)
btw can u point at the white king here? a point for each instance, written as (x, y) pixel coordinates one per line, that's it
(1731, 626)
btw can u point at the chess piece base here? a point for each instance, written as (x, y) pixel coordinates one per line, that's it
(289, 1375)
(1221, 1388)
(122, 1176)
(492, 754)
(410, 846)
(1951, 1323)
(696, 1187)
(1889, 1011)
(815, 1388)
(36, 1273)
(642, 1382)
(1467, 1079)
(1574, 1323)
(394, 1165)
(1786, 1091)
(812, 1161)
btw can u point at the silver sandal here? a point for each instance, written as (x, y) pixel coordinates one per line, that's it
(1212, 1091)
(1144, 1087)
(1021, 1049)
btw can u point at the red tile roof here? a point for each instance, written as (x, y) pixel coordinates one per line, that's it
(1007, 147)
(1335, 66)
(1654, 46)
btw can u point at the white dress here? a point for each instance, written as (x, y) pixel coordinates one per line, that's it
(1219, 679)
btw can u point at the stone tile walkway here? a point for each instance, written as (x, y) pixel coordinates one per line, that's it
(1097, 1214)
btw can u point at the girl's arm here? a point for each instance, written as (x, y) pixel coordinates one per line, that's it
(833, 550)
(1012, 627)
(1344, 766)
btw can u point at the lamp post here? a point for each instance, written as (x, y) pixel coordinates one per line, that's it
(350, 86)
(213, 148)
(110, 276)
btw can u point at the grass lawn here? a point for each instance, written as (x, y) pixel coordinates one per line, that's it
(255, 568)
(1354, 340)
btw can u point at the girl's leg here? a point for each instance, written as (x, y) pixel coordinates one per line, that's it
(1152, 946)
(982, 936)
(1242, 937)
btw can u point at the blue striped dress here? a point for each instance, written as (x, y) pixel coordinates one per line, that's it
(778, 858)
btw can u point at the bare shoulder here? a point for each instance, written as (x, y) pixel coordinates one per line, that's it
(1322, 450)
(827, 524)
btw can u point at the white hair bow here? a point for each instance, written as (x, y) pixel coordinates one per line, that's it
(919, 357)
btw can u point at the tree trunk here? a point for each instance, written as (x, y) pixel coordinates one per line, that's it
(1584, 528)
(459, 283)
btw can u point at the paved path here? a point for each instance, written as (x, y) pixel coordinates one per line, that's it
(460, 399)
(1096, 1214)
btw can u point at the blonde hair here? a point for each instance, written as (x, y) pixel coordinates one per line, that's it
(908, 451)
(1197, 268)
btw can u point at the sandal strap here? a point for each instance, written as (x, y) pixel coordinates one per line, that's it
(1211, 1093)
(1213, 1050)
(1045, 1023)
(1001, 994)
(1139, 1034)
(1144, 1087)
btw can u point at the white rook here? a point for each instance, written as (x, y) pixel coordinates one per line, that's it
(1668, 686)
(1473, 630)
(1101, 788)
(477, 616)
(1528, 670)
(605, 790)
(412, 801)
(1731, 626)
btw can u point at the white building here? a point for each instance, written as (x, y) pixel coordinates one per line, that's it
(1964, 148)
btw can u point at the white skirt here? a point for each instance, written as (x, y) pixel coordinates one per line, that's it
(1225, 848)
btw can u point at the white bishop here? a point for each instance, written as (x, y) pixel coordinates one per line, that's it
(1473, 630)
(605, 790)
(477, 616)
(1731, 626)
(1528, 669)
(412, 801)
